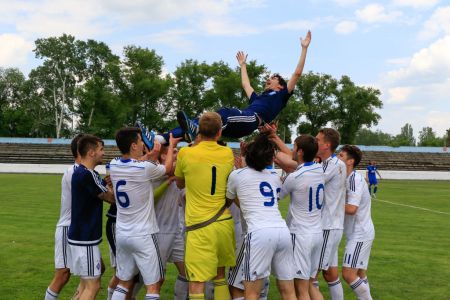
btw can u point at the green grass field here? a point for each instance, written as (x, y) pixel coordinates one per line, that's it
(410, 257)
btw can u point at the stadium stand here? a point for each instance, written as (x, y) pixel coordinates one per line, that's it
(51, 153)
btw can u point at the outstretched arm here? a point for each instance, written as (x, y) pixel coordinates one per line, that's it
(242, 60)
(301, 63)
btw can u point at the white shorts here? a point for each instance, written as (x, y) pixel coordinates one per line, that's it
(139, 254)
(268, 249)
(112, 258)
(306, 254)
(171, 247)
(86, 261)
(330, 246)
(62, 252)
(356, 255)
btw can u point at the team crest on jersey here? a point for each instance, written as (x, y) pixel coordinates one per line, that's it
(299, 272)
(98, 266)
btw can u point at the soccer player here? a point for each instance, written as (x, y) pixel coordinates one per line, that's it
(62, 253)
(333, 209)
(136, 226)
(358, 226)
(267, 243)
(262, 108)
(85, 230)
(203, 170)
(306, 189)
(371, 177)
(171, 235)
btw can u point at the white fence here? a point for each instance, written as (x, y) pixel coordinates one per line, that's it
(59, 169)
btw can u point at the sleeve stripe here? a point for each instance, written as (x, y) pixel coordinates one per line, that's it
(98, 181)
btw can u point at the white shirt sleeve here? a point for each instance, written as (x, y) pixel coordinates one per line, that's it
(154, 171)
(231, 186)
(354, 190)
(287, 186)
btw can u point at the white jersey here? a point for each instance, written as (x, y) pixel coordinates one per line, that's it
(167, 210)
(134, 195)
(333, 210)
(66, 197)
(358, 226)
(258, 196)
(306, 189)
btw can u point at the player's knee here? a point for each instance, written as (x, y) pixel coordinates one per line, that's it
(62, 276)
(331, 274)
(349, 274)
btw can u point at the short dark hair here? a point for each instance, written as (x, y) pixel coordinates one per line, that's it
(125, 137)
(74, 144)
(331, 136)
(209, 124)
(260, 152)
(281, 80)
(88, 142)
(353, 152)
(309, 146)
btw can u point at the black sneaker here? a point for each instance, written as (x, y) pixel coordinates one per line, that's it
(189, 127)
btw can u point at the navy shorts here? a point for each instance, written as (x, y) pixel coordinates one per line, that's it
(238, 123)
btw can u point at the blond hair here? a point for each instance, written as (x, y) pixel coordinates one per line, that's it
(209, 125)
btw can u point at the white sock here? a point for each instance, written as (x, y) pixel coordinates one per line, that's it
(110, 292)
(336, 291)
(209, 290)
(240, 298)
(361, 289)
(50, 295)
(366, 281)
(120, 293)
(316, 284)
(181, 288)
(151, 296)
(160, 139)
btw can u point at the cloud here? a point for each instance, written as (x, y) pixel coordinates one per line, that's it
(14, 50)
(302, 25)
(345, 2)
(431, 64)
(399, 94)
(439, 121)
(176, 39)
(376, 13)
(416, 3)
(438, 23)
(224, 27)
(345, 27)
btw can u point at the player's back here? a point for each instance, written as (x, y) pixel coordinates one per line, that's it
(333, 210)
(359, 226)
(134, 195)
(205, 169)
(306, 189)
(257, 192)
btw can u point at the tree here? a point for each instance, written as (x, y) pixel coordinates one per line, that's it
(316, 93)
(355, 108)
(405, 138)
(427, 137)
(55, 80)
(372, 138)
(143, 88)
(100, 109)
(14, 120)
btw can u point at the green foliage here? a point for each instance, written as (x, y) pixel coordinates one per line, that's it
(372, 138)
(405, 138)
(427, 137)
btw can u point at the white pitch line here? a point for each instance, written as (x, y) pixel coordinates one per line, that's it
(412, 206)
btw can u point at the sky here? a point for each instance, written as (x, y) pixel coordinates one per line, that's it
(401, 47)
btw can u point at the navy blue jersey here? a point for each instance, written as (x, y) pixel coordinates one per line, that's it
(269, 104)
(86, 219)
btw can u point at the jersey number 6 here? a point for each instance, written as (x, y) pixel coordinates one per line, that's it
(122, 197)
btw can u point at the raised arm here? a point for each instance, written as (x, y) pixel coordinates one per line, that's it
(301, 63)
(242, 60)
